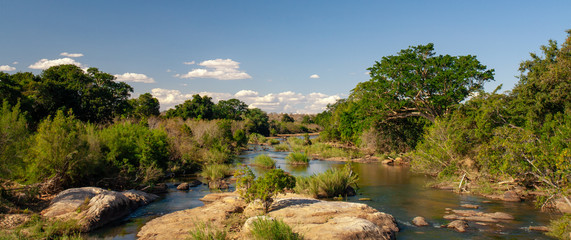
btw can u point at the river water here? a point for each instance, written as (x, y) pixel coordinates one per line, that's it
(392, 189)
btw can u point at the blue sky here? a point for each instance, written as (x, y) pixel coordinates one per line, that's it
(280, 56)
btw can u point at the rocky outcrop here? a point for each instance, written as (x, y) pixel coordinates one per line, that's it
(419, 221)
(314, 219)
(476, 216)
(458, 225)
(94, 207)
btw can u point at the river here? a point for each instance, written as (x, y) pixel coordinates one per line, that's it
(392, 189)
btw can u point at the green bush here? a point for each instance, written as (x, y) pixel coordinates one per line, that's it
(282, 147)
(264, 187)
(40, 228)
(215, 172)
(14, 137)
(297, 158)
(274, 141)
(264, 161)
(263, 229)
(205, 231)
(331, 183)
(256, 138)
(561, 227)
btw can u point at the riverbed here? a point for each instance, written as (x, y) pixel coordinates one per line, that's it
(392, 189)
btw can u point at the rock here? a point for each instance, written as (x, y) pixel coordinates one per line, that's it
(248, 224)
(458, 225)
(314, 219)
(486, 201)
(501, 215)
(448, 209)
(156, 189)
(194, 183)
(218, 184)
(476, 216)
(388, 162)
(470, 206)
(94, 207)
(562, 205)
(511, 196)
(419, 221)
(210, 198)
(182, 186)
(9, 221)
(539, 228)
(350, 191)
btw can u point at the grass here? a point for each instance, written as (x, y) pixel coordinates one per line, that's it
(282, 147)
(204, 231)
(331, 183)
(297, 158)
(263, 229)
(40, 228)
(561, 227)
(273, 141)
(264, 161)
(216, 172)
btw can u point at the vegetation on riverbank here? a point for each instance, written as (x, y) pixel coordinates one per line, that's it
(39, 228)
(263, 228)
(264, 161)
(331, 183)
(297, 158)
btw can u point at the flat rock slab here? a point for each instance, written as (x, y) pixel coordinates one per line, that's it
(314, 219)
(94, 207)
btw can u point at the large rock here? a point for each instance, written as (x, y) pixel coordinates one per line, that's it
(94, 207)
(312, 218)
(458, 225)
(477, 216)
(419, 221)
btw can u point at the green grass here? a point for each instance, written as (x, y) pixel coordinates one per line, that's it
(282, 147)
(331, 183)
(273, 141)
(40, 228)
(204, 231)
(215, 172)
(561, 227)
(264, 161)
(263, 229)
(297, 158)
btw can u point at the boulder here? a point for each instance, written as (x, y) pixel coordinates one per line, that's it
(194, 183)
(314, 219)
(458, 225)
(419, 221)
(470, 206)
(94, 207)
(388, 162)
(511, 196)
(476, 216)
(182, 186)
(562, 205)
(539, 228)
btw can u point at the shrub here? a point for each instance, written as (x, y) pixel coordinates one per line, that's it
(561, 227)
(14, 136)
(282, 147)
(264, 187)
(40, 228)
(264, 161)
(256, 138)
(205, 231)
(263, 229)
(216, 172)
(331, 183)
(297, 158)
(274, 141)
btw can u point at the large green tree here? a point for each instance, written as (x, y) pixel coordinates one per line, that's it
(144, 106)
(233, 109)
(196, 108)
(417, 82)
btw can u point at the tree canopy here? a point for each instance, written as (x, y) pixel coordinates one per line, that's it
(417, 82)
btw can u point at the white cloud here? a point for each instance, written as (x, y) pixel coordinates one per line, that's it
(134, 77)
(73, 55)
(45, 63)
(314, 76)
(290, 102)
(221, 69)
(189, 63)
(7, 68)
(15, 63)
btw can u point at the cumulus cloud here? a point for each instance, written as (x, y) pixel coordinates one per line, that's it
(7, 68)
(45, 63)
(314, 76)
(73, 55)
(189, 63)
(290, 102)
(134, 77)
(221, 69)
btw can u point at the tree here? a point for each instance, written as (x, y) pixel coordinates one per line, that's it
(257, 122)
(232, 109)
(287, 118)
(415, 82)
(144, 106)
(197, 108)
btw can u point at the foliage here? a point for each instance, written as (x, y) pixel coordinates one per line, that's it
(196, 108)
(144, 106)
(331, 183)
(286, 118)
(14, 136)
(297, 158)
(263, 229)
(215, 172)
(264, 187)
(40, 228)
(205, 231)
(257, 122)
(282, 147)
(256, 138)
(232, 109)
(561, 227)
(264, 161)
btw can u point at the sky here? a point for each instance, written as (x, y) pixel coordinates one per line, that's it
(279, 56)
